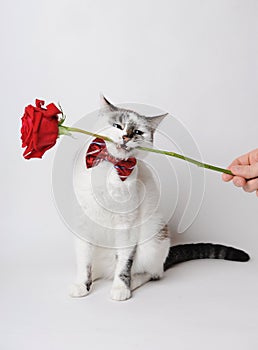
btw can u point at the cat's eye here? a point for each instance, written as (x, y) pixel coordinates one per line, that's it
(138, 132)
(118, 126)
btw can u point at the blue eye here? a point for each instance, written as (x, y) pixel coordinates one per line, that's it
(118, 126)
(138, 132)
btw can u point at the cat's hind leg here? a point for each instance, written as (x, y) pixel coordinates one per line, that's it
(149, 259)
(138, 279)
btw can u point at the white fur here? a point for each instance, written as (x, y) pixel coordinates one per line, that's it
(120, 219)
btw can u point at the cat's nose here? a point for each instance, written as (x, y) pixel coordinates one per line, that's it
(126, 138)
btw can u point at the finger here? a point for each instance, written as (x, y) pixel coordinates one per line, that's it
(242, 160)
(251, 185)
(253, 156)
(257, 193)
(227, 177)
(246, 171)
(239, 181)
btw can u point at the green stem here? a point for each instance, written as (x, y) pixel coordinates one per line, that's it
(153, 150)
(187, 159)
(87, 133)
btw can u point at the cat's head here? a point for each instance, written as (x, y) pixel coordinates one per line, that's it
(128, 129)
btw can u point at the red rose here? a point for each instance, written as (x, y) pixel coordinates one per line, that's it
(39, 129)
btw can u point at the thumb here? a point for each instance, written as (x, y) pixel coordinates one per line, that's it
(246, 171)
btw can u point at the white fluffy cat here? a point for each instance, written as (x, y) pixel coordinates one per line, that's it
(126, 238)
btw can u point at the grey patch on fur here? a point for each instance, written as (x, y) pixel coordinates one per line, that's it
(131, 127)
(89, 277)
(125, 274)
(163, 233)
(122, 116)
(155, 277)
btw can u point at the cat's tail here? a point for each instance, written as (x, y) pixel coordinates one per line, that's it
(186, 252)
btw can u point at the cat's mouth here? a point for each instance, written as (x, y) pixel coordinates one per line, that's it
(120, 150)
(123, 146)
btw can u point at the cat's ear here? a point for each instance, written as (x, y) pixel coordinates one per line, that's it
(105, 104)
(155, 121)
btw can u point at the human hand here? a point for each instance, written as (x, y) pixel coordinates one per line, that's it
(245, 170)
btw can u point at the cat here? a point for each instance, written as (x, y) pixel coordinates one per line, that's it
(126, 238)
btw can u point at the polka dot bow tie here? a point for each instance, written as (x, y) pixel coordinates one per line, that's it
(97, 153)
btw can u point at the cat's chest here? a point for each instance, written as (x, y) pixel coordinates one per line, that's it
(106, 198)
(109, 190)
(105, 175)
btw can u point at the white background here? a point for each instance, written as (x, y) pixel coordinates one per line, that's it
(196, 59)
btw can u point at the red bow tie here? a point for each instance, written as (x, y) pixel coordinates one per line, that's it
(97, 152)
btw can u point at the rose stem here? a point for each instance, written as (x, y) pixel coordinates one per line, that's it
(171, 154)
(187, 159)
(87, 133)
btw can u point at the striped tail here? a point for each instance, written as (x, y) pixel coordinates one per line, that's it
(186, 252)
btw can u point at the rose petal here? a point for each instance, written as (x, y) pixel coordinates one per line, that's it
(52, 110)
(39, 103)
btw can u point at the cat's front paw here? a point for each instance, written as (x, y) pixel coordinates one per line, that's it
(78, 290)
(120, 293)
